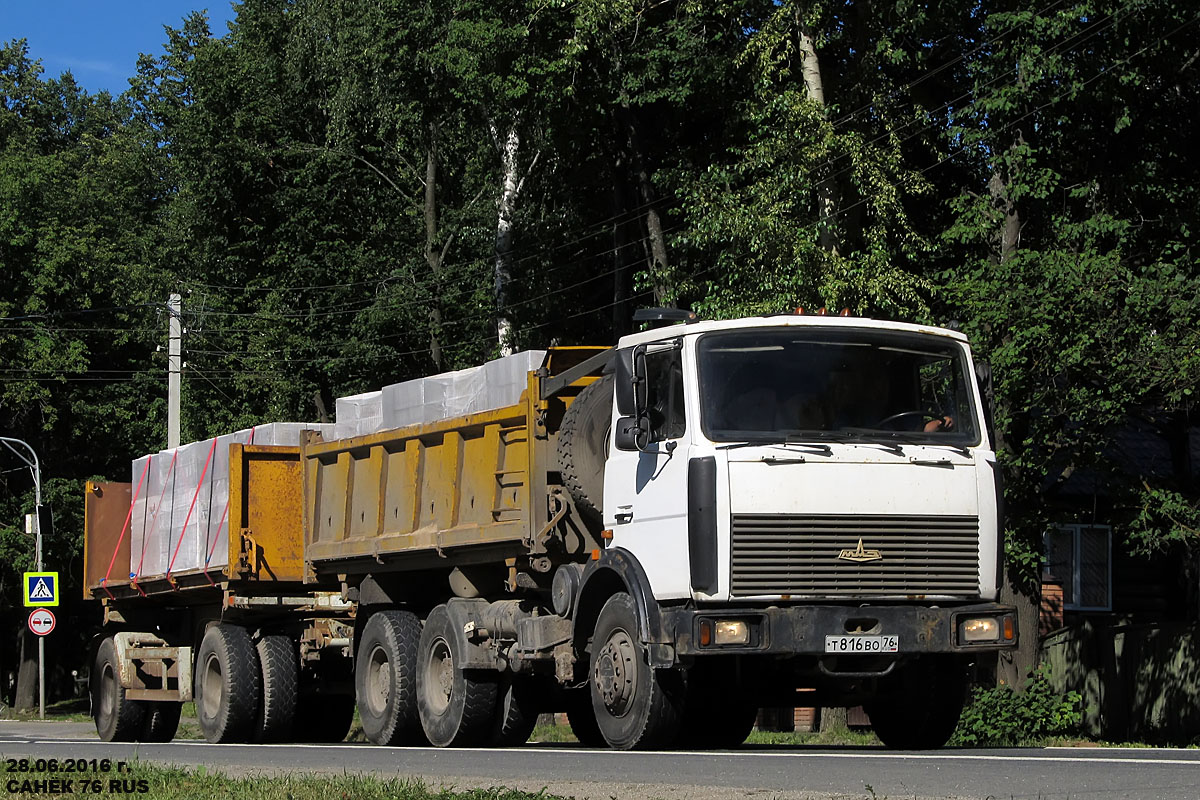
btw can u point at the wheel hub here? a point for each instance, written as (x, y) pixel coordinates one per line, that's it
(615, 673)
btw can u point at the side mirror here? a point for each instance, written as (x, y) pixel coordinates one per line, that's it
(623, 361)
(632, 435)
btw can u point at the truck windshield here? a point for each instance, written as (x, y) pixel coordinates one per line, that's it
(826, 384)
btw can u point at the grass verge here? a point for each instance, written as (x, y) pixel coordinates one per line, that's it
(175, 783)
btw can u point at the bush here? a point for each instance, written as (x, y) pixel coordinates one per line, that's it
(1001, 717)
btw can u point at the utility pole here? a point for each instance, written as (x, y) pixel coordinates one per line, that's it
(174, 366)
(36, 523)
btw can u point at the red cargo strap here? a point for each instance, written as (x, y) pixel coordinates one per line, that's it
(124, 528)
(224, 513)
(154, 522)
(191, 508)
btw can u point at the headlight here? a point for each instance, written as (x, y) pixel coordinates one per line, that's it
(732, 631)
(979, 629)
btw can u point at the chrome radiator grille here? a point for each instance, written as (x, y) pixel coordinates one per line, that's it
(798, 555)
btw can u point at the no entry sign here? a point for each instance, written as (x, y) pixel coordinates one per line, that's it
(41, 621)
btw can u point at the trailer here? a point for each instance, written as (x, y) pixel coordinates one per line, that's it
(658, 539)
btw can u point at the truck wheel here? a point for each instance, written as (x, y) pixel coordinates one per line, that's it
(582, 718)
(162, 721)
(717, 714)
(384, 678)
(516, 712)
(227, 690)
(637, 707)
(582, 441)
(279, 662)
(456, 705)
(326, 719)
(117, 719)
(920, 711)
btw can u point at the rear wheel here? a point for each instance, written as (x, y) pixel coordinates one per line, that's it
(227, 684)
(920, 710)
(280, 665)
(456, 705)
(162, 721)
(117, 719)
(385, 678)
(637, 707)
(516, 712)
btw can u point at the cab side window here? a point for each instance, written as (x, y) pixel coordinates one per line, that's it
(664, 385)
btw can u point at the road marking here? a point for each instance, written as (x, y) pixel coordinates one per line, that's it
(939, 755)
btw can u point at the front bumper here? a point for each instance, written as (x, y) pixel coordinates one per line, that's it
(802, 630)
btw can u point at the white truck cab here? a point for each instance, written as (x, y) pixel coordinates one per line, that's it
(819, 490)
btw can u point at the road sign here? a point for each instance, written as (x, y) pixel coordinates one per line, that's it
(41, 621)
(41, 588)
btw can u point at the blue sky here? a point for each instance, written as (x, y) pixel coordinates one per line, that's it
(99, 40)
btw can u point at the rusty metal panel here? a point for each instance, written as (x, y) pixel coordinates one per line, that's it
(266, 514)
(105, 537)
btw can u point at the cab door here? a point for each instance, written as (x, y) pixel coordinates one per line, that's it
(645, 490)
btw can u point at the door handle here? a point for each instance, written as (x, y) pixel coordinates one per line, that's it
(624, 515)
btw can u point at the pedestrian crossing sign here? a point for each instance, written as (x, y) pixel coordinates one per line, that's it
(41, 588)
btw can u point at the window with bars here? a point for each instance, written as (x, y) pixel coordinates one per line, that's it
(1080, 556)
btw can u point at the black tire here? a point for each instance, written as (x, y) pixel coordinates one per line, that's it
(582, 446)
(227, 684)
(162, 721)
(582, 718)
(637, 707)
(517, 710)
(117, 719)
(920, 710)
(718, 713)
(326, 719)
(456, 705)
(279, 662)
(385, 681)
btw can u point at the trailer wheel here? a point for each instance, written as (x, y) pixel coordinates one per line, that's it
(637, 706)
(456, 705)
(227, 684)
(921, 710)
(582, 440)
(516, 712)
(384, 678)
(162, 721)
(117, 719)
(279, 662)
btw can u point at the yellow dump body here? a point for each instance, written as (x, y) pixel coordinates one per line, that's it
(264, 533)
(461, 490)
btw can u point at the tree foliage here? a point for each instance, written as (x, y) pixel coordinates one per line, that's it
(351, 194)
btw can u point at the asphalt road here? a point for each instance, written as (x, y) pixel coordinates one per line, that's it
(768, 772)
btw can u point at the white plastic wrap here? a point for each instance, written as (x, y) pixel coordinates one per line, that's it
(358, 415)
(180, 518)
(496, 384)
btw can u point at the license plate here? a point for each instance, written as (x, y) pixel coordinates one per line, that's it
(862, 644)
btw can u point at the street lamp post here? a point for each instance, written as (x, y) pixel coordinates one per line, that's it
(35, 467)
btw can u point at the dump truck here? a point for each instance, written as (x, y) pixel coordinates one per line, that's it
(657, 538)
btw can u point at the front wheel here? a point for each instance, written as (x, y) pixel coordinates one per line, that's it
(920, 710)
(227, 684)
(637, 707)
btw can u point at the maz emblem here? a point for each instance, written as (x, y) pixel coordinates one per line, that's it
(859, 555)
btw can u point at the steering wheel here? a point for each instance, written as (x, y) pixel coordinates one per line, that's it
(925, 415)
